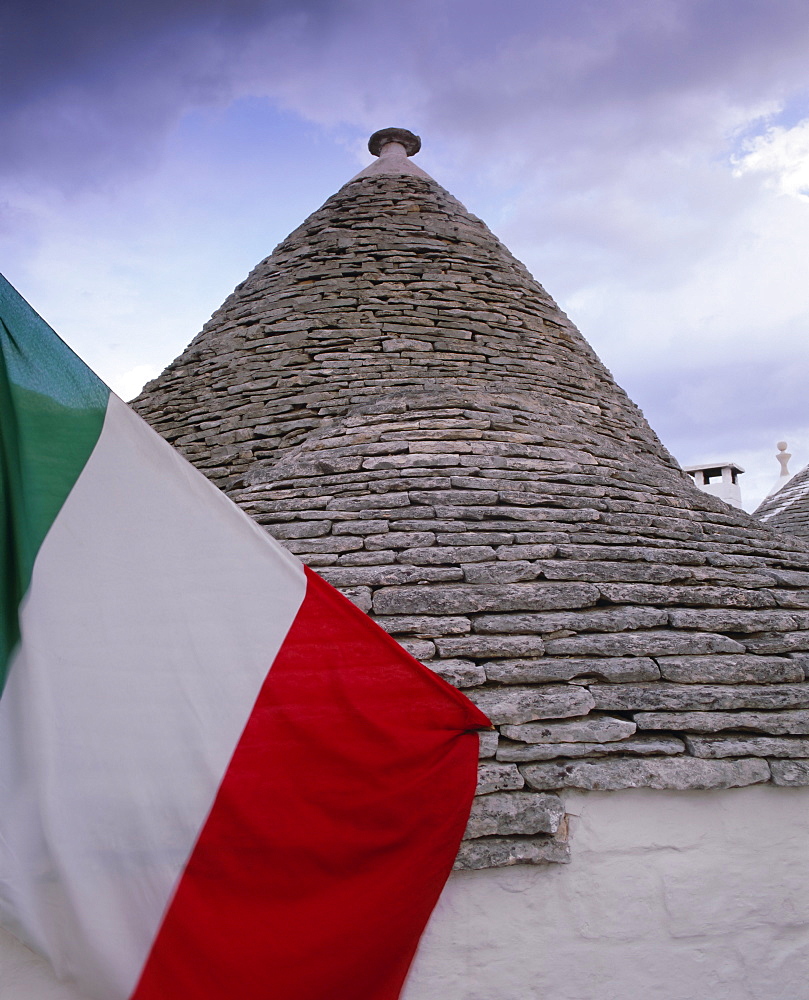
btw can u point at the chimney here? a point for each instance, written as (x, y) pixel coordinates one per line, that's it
(720, 479)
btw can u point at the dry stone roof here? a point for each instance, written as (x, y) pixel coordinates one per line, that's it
(788, 509)
(400, 403)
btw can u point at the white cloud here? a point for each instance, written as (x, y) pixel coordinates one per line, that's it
(782, 156)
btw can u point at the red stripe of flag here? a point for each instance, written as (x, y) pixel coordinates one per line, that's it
(334, 829)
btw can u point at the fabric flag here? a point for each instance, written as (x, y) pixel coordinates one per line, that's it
(218, 778)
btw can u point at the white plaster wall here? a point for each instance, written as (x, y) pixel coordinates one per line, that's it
(670, 896)
(724, 489)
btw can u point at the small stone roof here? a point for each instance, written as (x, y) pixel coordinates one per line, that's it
(788, 509)
(400, 403)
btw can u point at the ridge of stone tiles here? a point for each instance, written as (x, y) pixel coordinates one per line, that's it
(391, 286)
(620, 627)
(788, 509)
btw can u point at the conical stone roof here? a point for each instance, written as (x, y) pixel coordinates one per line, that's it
(400, 403)
(788, 509)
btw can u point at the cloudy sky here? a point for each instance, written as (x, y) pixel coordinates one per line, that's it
(647, 159)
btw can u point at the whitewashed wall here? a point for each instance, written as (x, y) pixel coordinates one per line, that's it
(670, 896)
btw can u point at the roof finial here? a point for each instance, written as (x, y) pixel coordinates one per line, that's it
(380, 139)
(783, 458)
(393, 147)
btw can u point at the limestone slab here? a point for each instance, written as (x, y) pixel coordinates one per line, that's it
(514, 813)
(482, 646)
(525, 704)
(699, 697)
(729, 669)
(790, 772)
(802, 659)
(502, 572)
(650, 643)
(642, 593)
(602, 572)
(732, 620)
(502, 852)
(747, 746)
(558, 668)
(488, 740)
(424, 626)
(778, 723)
(498, 777)
(421, 649)
(459, 673)
(779, 642)
(634, 746)
(473, 598)
(361, 596)
(679, 773)
(383, 576)
(446, 554)
(591, 729)
(399, 539)
(599, 620)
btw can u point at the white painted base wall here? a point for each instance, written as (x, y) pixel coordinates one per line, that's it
(670, 896)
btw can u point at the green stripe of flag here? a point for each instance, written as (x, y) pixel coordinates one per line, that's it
(52, 410)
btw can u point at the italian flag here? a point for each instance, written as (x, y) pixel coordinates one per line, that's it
(218, 778)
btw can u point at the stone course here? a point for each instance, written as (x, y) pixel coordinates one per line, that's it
(643, 745)
(398, 402)
(592, 728)
(671, 772)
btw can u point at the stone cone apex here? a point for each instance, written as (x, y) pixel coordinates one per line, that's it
(393, 146)
(390, 287)
(395, 397)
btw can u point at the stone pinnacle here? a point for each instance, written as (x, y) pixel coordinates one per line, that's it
(405, 138)
(393, 148)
